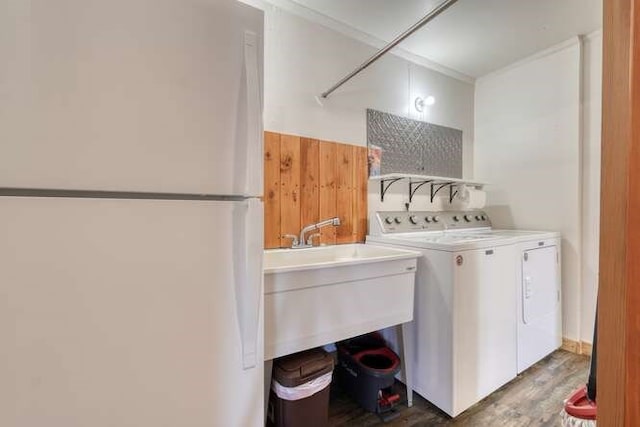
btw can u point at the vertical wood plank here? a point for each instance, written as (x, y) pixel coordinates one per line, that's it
(327, 196)
(344, 188)
(271, 190)
(618, 346)
(290, 187)
(361, 181)
(354, 195)
(309, 182)
(632, 357)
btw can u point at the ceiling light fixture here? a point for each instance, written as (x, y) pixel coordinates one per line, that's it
(421, 103)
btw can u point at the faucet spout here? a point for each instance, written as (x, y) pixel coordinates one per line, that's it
(312, 227)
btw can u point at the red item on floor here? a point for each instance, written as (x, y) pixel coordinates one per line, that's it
(579, 406)
(387, 400)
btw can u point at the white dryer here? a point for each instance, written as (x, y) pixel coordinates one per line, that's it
(539, 294)
(538, 291)
(539, 298)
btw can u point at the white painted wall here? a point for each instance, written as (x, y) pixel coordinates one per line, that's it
(527, 123)
(591, 137)
(303, 59)
(527, 147)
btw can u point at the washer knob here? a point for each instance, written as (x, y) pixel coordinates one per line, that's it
(484, 218)
(428, 219)
(413, 219)
(436, 219)
(456, 218)
(398, 220)
(478, 218)
(468, 218)
(388, 220)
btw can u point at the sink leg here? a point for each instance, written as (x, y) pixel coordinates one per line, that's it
(268, 366)
(404, 335)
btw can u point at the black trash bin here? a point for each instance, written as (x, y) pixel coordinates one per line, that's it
(366, 371)
(299, 394)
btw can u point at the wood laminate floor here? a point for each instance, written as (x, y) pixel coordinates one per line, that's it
(534, 398)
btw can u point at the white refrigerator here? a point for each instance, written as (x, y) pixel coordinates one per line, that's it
(130, 213)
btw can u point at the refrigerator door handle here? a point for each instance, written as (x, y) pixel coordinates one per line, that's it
(248, 248)
(254, 115)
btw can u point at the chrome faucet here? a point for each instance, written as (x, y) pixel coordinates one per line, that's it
(301, 242)
(332, 221)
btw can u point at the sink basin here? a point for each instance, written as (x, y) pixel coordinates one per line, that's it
(283, 260)
(326, 294)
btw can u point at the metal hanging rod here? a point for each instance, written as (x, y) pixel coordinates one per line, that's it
(431, 15)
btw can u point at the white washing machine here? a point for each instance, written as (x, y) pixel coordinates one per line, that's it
(486, 306)
(464, 329)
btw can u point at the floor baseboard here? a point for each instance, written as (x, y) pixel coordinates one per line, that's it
(577, 347)
(586, 348)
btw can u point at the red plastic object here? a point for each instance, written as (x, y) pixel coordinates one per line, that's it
(579, 406)
(384, 352)
(393, 398)
(388, 400)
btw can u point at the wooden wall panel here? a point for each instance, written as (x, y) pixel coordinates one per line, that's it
(361, 180)
(290, 187)
(306, 181)
(271, 190)
(309, 181)
(328, 188)
(344, 192)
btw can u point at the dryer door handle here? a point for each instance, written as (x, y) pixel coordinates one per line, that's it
(528, 288)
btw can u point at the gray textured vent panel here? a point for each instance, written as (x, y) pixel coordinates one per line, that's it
(412, 146)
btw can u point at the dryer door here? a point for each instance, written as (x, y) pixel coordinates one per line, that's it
(540, 293)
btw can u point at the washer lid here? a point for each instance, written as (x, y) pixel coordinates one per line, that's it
(519, 235)
(444, 241)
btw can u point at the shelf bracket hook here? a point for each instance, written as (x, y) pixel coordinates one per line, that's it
(384, 188)
(435, 189)
(414, 186)
(452, 193)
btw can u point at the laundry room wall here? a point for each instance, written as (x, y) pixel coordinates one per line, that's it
(591, 139)
(304, 58)
(537, 145)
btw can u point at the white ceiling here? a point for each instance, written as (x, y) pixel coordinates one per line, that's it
(473, 37)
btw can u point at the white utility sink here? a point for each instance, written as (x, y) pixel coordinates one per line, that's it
(285, 260)
(326, 294)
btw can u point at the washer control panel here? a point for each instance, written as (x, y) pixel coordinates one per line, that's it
(406, 222)
(466, 219)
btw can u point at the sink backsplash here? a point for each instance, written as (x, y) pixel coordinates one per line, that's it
(307, 180)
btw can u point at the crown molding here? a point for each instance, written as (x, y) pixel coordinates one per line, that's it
(573, 41)
(353, 33)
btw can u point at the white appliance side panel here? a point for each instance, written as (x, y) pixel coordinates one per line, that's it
(485, 323)
(431, 331)
(131, 95)
(122, 313)
(539, 304)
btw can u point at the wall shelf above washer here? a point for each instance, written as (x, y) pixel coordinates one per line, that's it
(437, 183)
